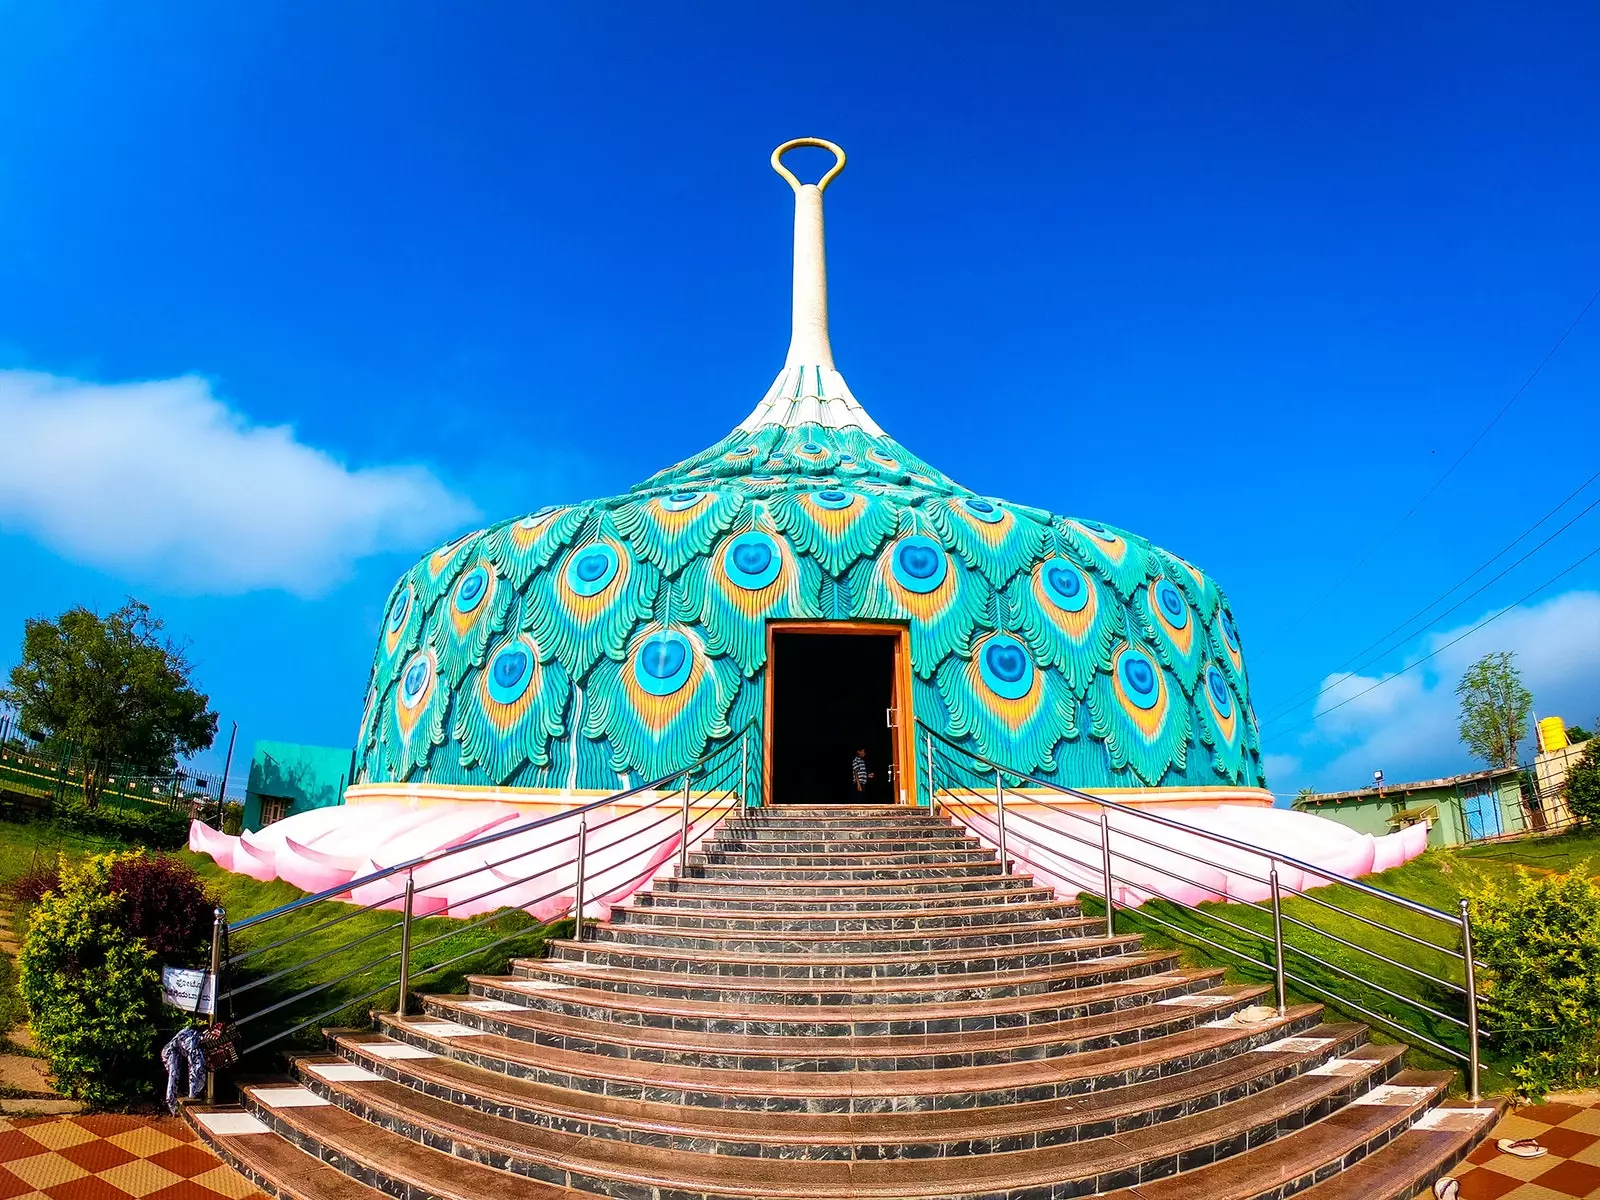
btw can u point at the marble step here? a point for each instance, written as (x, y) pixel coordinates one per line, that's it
(784, 920)
(1407, 1166)
(534, 1149)
(762, 860)
(779, 1091)
(805, 968)
(979, 1015)
(782, 890)
(878, 900)
(910, 989)
(886, 1134)
(764, 1051)
(865, 871)
(276, 1164)
(855, 942)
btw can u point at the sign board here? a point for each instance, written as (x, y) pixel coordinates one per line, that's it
(190, 989)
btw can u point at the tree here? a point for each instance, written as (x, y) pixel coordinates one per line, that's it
(1582, 787)
(1494, 708)
(112, 688)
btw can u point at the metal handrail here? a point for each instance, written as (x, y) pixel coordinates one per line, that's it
(961, 776)
(726, 782)
(486, 839)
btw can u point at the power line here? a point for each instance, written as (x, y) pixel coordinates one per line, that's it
(1449, 471)
(1282, 709)
(1438, 649)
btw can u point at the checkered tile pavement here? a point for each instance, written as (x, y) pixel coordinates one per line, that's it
(112, 1158)
(1570, 1132)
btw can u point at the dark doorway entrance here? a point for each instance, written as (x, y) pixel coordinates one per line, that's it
(831, 696)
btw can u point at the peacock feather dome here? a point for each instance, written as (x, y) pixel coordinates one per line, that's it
(614, 641)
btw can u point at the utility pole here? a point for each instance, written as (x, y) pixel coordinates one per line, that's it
(222, 787)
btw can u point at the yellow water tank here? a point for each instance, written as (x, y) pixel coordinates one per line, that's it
(1552, 734)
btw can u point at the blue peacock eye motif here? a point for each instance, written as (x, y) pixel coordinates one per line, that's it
(510, 673)
(1230, 632)
(833, 498)
(986, 512)
(1174, 608)
(415, 682)
(663, 663)
(591, 570)
(681, 501)
(1139, 679)
(847, 459)
(471, 590)
(401, 612)
(1065, 586)
(1220, 695)
(752, 561)
(812, 448)
(1005, 667)
(919, 563)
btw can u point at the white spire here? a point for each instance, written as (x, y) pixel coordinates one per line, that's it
(809, 389)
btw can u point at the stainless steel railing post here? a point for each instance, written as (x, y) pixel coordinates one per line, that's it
(1000, 817)
(933, 791)
(683, 832)
(405, 945)
(577, 891)
(1472, 998)
(1277, 938)
(744, 770)
(219, 933)
(1105, 869)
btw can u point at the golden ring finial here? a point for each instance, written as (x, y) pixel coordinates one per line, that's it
(819, 143)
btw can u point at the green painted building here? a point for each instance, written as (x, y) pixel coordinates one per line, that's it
(286, 778)
(1458, 808)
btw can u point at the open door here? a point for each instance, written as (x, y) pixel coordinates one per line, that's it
(835, 693)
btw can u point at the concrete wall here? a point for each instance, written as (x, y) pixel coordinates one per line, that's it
(1370, 813)
(306, 777)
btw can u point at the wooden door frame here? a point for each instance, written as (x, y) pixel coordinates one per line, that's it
(904, 741)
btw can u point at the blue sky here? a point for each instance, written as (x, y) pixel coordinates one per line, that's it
(288, 292)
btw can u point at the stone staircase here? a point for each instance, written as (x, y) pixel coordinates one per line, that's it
(849, 1002)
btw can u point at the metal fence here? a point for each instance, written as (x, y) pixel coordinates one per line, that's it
(1406, 965)
(56, 771)
(389, 958)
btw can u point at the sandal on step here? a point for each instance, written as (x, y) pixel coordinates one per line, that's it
(1446, 1189)
(1521, 1148)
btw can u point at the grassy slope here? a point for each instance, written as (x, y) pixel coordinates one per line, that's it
(328, 952)
(1437, 879)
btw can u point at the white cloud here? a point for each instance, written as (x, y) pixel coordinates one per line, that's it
(1407, 727)
(163, 481)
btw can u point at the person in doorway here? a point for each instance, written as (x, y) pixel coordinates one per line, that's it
(858, 770)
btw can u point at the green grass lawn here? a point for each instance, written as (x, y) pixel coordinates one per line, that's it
(311, 954)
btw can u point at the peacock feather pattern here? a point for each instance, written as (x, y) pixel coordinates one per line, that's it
(1139, 715)
(663, 704)
(1068, 619)
(584, 607)
(811, 523)
(1012, 710)
(519, 698)
(588, 646)
(1167, 621)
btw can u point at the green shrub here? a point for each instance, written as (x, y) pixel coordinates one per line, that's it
(233, 818)
(1540, 941)
(147, 825)
(1582, 788)
(92, 990)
